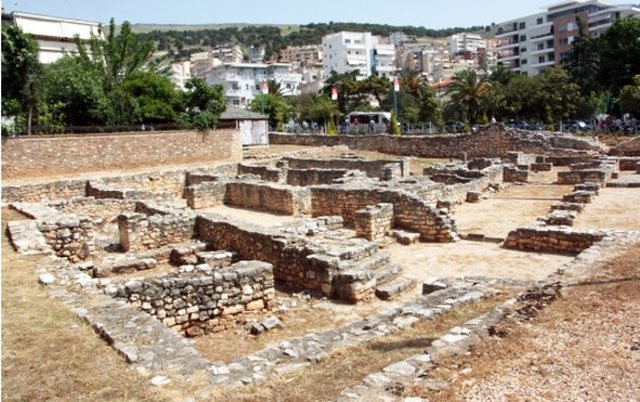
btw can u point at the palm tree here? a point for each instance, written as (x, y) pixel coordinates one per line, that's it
(469, 91)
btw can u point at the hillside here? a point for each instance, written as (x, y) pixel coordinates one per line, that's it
(182, 40)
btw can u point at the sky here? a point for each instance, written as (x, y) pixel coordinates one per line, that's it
(428, 13)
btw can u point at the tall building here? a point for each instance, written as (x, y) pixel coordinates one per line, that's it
(531, 44)
(301, 55)
(348, 51)
(55, 36)
(241, 81)
(465, 43)
(180, 73)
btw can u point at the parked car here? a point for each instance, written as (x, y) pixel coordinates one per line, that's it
(520, 124)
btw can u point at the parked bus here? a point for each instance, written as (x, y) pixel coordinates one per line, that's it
(367, 122)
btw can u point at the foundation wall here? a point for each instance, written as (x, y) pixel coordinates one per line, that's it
(552, 240)
(282, 199)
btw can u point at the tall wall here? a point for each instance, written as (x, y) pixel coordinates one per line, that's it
(493, 141)
(64, 154)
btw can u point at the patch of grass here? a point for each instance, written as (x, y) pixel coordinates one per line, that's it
(48, 353)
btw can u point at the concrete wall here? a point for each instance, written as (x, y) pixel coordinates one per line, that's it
(64, 154)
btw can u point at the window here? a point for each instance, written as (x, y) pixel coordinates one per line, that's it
(523, 38)
(523, 61)
(523, 25)
(539, 21)
(236, 102)
(540, 46)
(563, 41)
(257, 87)
(541, 59)
(523, 49)
(348, 51)
(347, 41)
(235, 87)
(357, 41)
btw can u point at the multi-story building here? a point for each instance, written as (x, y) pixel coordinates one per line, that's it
(241, 81)
(301, 55)
(201, 62)
(180, 73)
(256, 54)
(55, 36)
(348, 51)
(465, 43)
(228, 54)
(531, 44)
(398, 38)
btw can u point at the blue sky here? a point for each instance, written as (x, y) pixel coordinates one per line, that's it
(428, 13)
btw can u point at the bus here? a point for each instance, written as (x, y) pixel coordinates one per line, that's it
(367, 122)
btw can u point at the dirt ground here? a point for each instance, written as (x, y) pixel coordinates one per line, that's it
(425, 261)
(585, 346)
(614, 208)
(516, 206)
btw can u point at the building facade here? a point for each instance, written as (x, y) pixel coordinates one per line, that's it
(241, 81)
(531, 44)
(345, 52)
(55, 36)
(465, 43)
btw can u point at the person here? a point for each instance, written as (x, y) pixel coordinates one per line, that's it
(372, 126)
(493, 120)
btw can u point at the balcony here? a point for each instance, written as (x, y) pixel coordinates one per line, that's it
(508, 57)
(501, 33)
(542, 51)
(545, 64)
(508, 45)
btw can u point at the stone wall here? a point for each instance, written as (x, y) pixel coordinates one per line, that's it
(64, 154)
(582, 176)
(208, 194)
(552, 240)
(69, 236)
(139, 231)
(514, 175)
(311, 177)
(266, 173)
(205, 302)
(409, 210)
(271, 197)
(374, 222)
(629, 163)
(98, 189)
(382, 169)
(95, 208)
(627, 148)
(54, 190)
(492, 141)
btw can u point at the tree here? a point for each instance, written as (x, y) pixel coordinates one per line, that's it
(115, 58)
(468, 90)
(394, 128)
(20, 73)
(377, 85)
(619, 54)
(349, 90)
(204, 104)
(276, 107)
(582, 62)
(156, 99)
(557, 95)
(77, 90)
(630, 97)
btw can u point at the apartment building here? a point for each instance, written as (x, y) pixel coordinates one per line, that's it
(241, 81)
(465, 43)
(180, 73)
(348, 51)
(55, 36)
(531, 44)
(302, 56)
(228, 54)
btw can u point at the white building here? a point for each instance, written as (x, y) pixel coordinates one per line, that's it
(465, 43)
(180, 73)
(228, 54)
(55, 36)
(348, 51)
(531, 44)
(398, 38)
(241, 81)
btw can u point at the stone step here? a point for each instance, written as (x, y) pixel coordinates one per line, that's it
(404, 237)
(394, 288)
(216, 259)
(27, 239)
(369, 264)
(123, 266)
(355, 251)
(387, 274)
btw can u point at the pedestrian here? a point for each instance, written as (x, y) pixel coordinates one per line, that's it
(372, 126)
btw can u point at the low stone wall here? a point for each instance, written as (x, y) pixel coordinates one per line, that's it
(272, 197)
(382, 169)
(409, 210)
(197, 304)
(98, 189)
(520, 158)
(515, 175)
(32, 156)
(492, 141)
(311, 177)
(582, 176)
(374, 222)
(69, 236)
(208, 194)
(95, 208)
(54, 190)
(139, 231)
(629, 163)
(627, 148)
(552, 240)
(266, 173)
